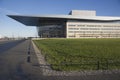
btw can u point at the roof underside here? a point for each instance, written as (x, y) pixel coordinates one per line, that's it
(37, 20)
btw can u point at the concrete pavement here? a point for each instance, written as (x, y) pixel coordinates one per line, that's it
(13, 62)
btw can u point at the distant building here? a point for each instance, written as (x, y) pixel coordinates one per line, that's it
(78, 24)
(1, 36)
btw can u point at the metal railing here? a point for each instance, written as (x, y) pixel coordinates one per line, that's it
(73, 62)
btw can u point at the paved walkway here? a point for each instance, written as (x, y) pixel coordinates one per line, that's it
(19, 62)
(13, 62)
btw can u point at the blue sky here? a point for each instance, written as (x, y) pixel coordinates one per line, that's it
(10, 27)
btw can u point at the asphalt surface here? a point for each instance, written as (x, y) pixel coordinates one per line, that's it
(19, 62)
(14, 64)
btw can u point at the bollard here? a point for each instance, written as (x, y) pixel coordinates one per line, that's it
(29, 48)
(98, 65)
(28, 52)
(28, 59)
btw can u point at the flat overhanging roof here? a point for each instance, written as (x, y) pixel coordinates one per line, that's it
(34, 20)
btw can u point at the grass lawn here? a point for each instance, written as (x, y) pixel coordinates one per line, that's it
(81, 54)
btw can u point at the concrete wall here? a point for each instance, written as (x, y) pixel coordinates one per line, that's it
(83, 13)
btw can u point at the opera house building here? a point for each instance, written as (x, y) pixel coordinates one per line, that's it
(77, 24)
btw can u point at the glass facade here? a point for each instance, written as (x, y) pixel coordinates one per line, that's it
(52, 31)
(79, 30)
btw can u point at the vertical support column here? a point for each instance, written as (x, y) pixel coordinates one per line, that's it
(67, 29)
(107, 64)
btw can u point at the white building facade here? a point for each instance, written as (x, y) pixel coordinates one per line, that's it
(92, 30)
